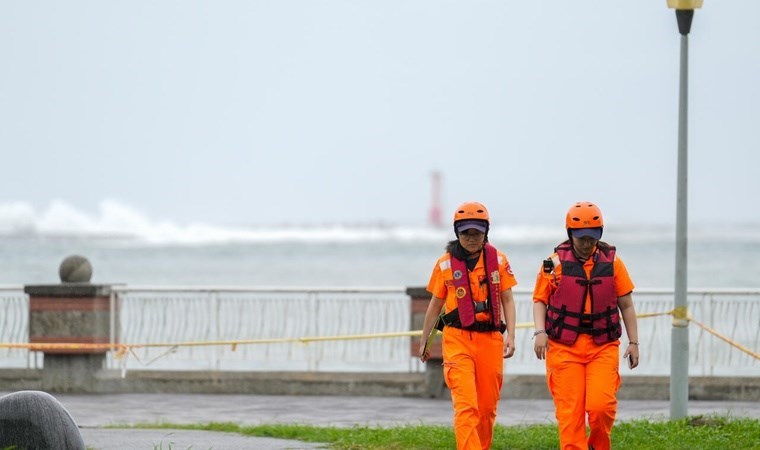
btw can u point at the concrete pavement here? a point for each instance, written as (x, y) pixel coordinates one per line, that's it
(93, 412)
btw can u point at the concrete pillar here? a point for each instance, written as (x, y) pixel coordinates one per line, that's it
(75, 312)
(436, 387)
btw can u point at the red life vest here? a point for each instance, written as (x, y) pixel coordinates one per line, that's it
(465, 303)
(564, 315)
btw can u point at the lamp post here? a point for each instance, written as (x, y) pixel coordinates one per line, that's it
(679, 357)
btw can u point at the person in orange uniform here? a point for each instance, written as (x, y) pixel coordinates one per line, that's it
(581, 293)
(472, 282)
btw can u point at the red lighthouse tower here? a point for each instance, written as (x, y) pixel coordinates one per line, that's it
(435, 205)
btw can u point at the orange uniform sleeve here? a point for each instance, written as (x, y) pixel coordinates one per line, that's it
(508, 280)
(436, 285)
(545, 284)
(623, 282)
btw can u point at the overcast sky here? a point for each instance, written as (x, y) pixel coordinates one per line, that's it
(311, 112)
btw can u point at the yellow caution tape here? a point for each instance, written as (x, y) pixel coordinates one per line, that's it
(680, 317)
(648, 315)
(679, 314)
(726, 339)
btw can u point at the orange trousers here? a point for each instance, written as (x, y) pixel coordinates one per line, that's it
(583, 379)
(473, 367)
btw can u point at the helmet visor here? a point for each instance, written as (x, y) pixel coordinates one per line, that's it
(472, 224)
(594, 233)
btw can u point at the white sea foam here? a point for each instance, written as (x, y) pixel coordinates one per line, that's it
(113, 219)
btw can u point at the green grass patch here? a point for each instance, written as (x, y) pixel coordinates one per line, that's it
(699, 432)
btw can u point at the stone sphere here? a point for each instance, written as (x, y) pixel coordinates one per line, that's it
(75, 269)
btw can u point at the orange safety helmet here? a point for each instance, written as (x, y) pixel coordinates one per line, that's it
(584, 219)
(472, 211)
(584, 215)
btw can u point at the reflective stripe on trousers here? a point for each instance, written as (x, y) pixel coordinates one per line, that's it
(583, 379)
(473, 367)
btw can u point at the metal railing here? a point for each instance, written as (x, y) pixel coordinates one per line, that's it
(214, 314)
(14, 328)
(170, 315)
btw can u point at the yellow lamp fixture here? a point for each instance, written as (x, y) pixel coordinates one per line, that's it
(685, 4)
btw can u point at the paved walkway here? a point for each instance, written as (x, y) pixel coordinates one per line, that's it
(92, 412)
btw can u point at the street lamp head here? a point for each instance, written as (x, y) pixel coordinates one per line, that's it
(684, 13)
(685, 4)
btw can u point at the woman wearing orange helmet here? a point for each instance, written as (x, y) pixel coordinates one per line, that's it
(472, 282)
(581, 293)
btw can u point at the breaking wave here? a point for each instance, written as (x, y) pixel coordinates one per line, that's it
(114, 220)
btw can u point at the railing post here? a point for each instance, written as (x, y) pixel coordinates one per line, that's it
(312, 363)
(112, 320)
(30, 356)
(215, 319)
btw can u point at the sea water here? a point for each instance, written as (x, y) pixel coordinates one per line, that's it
(373, 256)
(346, 256)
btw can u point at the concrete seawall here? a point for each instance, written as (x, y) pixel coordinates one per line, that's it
(359, 384)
